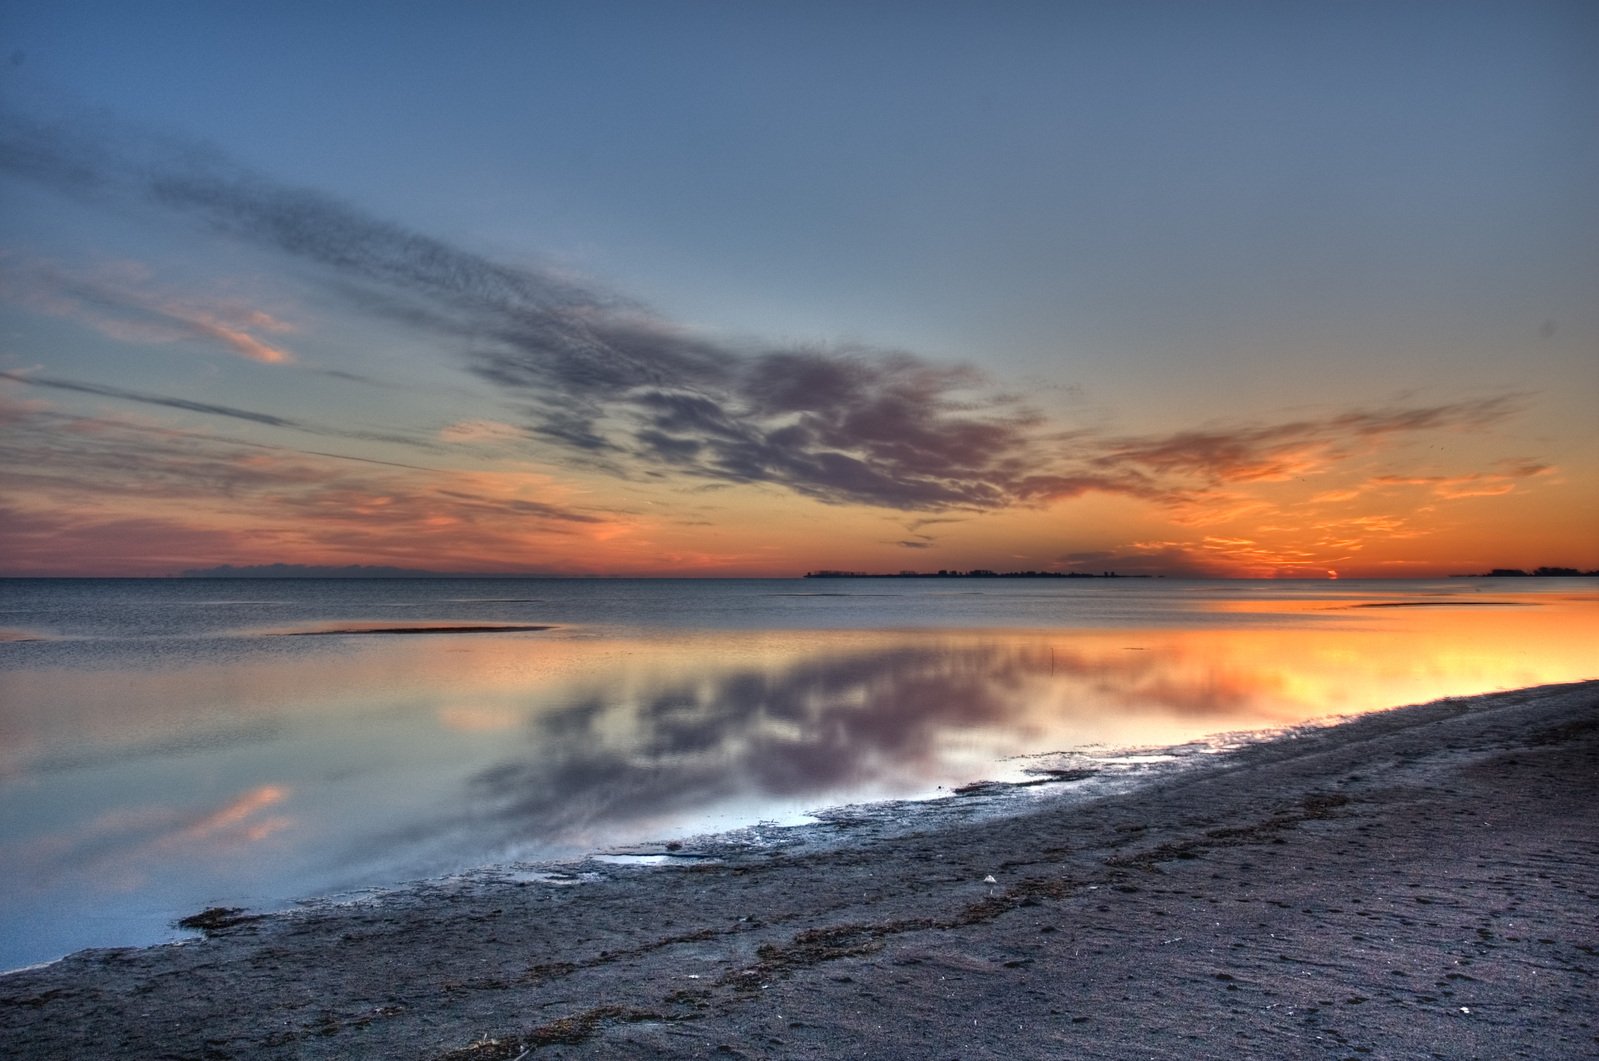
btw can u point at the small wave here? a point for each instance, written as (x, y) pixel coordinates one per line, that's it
(813, 594)
(240, 603)
(833, 594)
(412, 628)
(1444, 604)
(653, 858)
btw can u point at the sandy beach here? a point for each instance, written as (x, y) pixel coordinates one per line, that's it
(1413, 883)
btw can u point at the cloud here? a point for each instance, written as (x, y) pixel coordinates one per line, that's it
(142, 498)
(620, 388)
(1476, 484)
(594, 372)
(230, 412)
(119, 301)
(916, 525)
(105, 543)
(103, 391)
(1213, 556)
(480, 431)
(1276, 452)
(519, 507)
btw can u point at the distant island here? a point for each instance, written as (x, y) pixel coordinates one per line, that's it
(980, 572)
(310, 571)
(379, 571)
(376, 571)
(976, 572)
(1537, 572)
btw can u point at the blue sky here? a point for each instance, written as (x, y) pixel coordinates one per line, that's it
(1122, 222)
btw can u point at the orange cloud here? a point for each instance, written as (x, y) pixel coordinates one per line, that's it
(147, 498)
(477, 431)
(119, 301)
(1297, 449)
(1476, 484)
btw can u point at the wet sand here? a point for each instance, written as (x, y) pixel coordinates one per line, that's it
(1415, 883)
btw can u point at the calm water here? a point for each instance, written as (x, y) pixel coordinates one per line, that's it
(165, 747)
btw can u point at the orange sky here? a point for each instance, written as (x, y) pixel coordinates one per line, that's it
(1296, 500)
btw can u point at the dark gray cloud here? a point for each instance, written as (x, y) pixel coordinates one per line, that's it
(208, 408)
(594, 372)
(213, 409)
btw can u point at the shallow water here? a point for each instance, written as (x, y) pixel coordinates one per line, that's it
(165, 747)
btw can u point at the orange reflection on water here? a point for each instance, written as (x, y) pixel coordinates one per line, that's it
(405, 756)
(1360, 660)
(122, 847)
(927, 702)
(240, 821)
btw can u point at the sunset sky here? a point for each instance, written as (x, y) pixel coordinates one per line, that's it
(716, 289)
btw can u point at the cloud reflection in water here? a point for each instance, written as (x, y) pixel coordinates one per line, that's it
(255, 771)
(857, 717)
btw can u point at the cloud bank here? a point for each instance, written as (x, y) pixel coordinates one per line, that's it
(616, 386)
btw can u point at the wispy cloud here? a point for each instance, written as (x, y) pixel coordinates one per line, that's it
(1275, 452)
(1210, 556)
(480, 431)
(230, 412)
(145, 498)
(100, 540)
(121, 394)
(120, 300)
(1507, 477)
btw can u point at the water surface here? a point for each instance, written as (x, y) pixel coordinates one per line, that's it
(171, 745)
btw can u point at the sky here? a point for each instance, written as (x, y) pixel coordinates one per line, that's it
(743, 289)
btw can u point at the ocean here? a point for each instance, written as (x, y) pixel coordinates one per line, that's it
(169, 745)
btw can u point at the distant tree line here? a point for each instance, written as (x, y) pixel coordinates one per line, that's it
(1539, 572)
(976, 572)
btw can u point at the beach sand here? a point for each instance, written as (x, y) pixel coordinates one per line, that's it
(1421, 882)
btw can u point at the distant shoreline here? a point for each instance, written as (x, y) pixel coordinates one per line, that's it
(446, 576)
(976, 573)
(251, 575)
